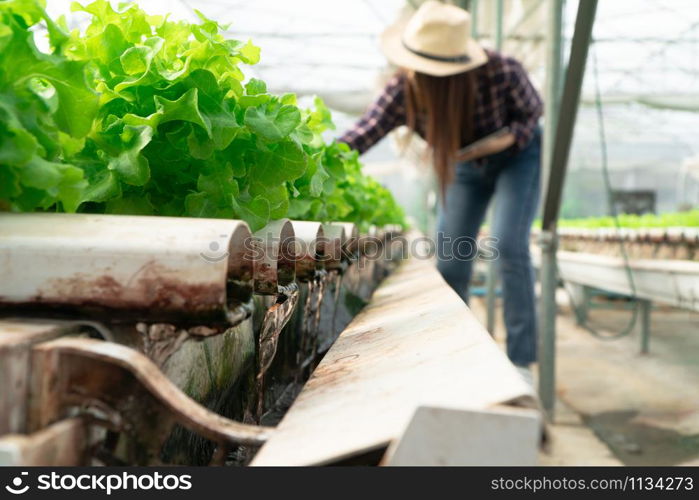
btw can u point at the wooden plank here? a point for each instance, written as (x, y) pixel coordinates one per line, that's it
(416, 344)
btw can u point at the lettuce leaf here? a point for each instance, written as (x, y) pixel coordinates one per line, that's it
(140, 114)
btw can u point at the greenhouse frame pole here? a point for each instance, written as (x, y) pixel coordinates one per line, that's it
(464, 4)
(499, 15)
(492, 277)
(565, 125)
(554, 77)
(473, 9)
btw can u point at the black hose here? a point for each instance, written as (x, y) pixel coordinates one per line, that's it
(613, 213)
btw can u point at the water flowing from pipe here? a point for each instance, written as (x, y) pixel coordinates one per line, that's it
(274, 321)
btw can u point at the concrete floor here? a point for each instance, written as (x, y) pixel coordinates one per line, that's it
(616, 406)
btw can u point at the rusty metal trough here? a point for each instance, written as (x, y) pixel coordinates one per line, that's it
(149, 340)
(176, 295)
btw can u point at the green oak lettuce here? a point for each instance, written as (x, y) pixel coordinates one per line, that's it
(140, 114)
(689, 218)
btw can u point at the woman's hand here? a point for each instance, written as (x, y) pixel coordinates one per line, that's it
(488, 147)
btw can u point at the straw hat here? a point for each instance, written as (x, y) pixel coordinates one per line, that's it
(435, 40)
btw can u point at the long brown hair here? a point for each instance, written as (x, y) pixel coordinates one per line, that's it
(441, 109)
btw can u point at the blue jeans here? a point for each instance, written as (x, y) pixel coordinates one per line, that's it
(512, 179)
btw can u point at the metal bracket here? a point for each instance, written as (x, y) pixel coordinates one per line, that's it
(548, 241)
(646, 307)
(128, 394)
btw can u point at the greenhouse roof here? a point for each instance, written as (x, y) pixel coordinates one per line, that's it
(646, 56)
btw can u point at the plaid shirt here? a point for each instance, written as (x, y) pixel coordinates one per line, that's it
(505, 97)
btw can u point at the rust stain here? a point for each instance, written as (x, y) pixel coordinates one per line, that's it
(151, 291)
(364, 334)
(175, 294)
(326, 375)
(265, 278)
(306, 267)
(148, 292)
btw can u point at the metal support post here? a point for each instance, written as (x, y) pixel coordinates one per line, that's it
(646, 306)
(491, 277)
(547, 321)
(554, 79)
(580, 296)
(560, 153)
(491, 282)
(474, 18)
(499, 16)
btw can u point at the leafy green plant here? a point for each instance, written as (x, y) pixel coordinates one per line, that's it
(140, 114)
(676, 219)
(46, 111)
